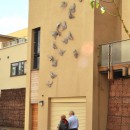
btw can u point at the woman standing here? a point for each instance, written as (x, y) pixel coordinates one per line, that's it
(64, 125)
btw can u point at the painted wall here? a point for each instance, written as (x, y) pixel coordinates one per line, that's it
(15, 53)
(106, 29)
(74, 76)
(126, 17)
(20, 33)
(8, 56)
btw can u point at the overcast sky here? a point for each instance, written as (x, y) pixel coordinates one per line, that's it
(13, 15)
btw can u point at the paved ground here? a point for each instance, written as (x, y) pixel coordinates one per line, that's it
(10, 128)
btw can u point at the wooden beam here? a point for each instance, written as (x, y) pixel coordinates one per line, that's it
(115, 67)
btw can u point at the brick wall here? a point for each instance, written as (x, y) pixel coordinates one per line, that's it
(12, 108)
(119, 105)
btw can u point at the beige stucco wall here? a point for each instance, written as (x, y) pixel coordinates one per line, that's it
(126, 17)
(106, 29)
(20, 33)
(15, 53)
(74, 76)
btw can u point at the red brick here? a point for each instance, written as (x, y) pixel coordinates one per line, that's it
(12, 108)
(125, 127)
(115, 100)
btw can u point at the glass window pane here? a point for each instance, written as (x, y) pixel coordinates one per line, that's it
(18, 68)
(25, 67)
(15, 64)
(21, 68)
(13, 71)
(36, 62)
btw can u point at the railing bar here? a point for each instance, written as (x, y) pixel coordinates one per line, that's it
(114, 42)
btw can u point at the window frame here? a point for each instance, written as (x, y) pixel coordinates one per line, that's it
(18, 74)
(36, 48)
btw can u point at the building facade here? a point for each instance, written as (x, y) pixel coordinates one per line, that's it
(13, 61)
(64, 61)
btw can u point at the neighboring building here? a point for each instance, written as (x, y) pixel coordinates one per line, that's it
(13, 61)
(63, 61)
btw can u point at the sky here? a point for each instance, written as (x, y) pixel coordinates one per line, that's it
(13, 15)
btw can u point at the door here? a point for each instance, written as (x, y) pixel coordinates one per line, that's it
(34, 116)
(61, 106)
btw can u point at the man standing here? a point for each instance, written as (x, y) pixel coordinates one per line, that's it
(73, 121)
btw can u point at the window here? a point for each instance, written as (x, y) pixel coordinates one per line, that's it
(36, 44)
(18, 68)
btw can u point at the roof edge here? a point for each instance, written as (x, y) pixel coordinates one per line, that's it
(7, 36)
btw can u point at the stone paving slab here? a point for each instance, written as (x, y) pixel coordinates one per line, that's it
(10, 128)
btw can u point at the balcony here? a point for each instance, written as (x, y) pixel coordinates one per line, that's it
(115, 57)
(14, 42)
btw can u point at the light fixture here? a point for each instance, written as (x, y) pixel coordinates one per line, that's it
(41, 103)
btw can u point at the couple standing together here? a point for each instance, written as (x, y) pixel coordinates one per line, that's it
(71, 124)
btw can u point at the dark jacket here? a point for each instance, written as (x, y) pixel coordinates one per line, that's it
(64, 125)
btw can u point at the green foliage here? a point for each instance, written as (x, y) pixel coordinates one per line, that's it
(92, 3)
(103, 10)
(97, 4)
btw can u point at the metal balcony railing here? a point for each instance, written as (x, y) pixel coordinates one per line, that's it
(13, 42)
(115, 53)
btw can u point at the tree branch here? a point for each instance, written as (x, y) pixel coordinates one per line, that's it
(121, 19)
(116, 15)
(110, 13)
